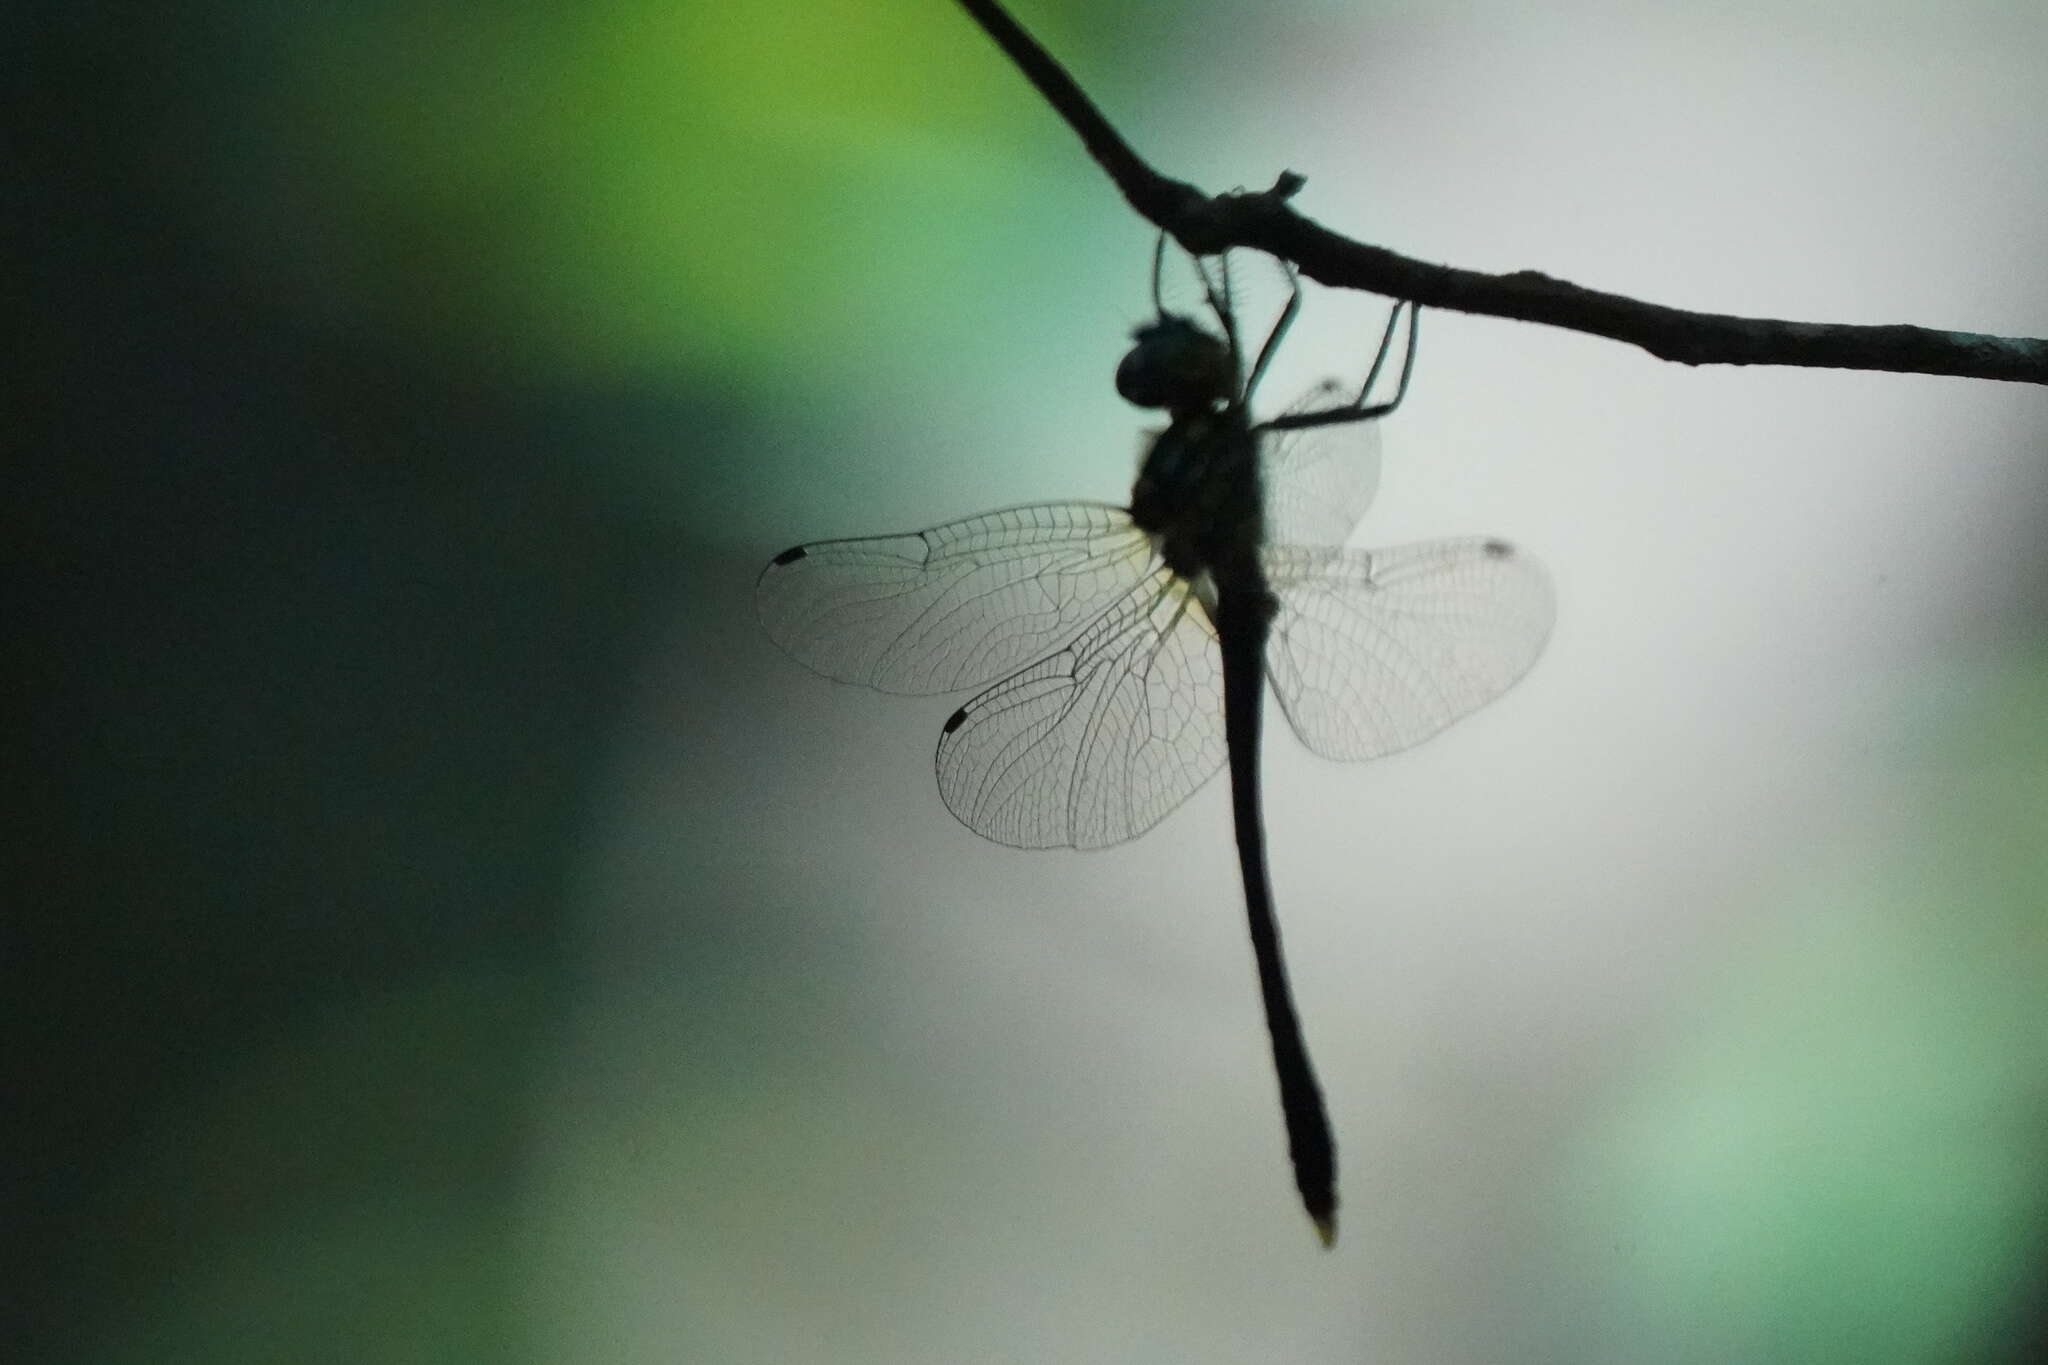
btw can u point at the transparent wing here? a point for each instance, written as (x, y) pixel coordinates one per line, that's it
(956, 606)
(1374, 651)
(1319, 480)
(1095, 744)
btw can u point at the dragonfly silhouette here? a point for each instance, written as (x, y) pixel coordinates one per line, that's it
(1127, 648)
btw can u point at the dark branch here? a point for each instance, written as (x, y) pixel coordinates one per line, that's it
(1264, 221)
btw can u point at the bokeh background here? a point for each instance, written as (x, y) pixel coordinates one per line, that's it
(439, 926)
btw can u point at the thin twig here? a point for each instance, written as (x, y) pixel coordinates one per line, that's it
(1265, 221)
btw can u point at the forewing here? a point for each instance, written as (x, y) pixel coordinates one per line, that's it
(1096, 743)
(956, 606)
(1374, 651)
(1319, 480)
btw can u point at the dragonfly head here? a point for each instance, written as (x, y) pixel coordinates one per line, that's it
(1174, 364)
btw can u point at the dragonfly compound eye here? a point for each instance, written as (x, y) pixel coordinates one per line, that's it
(1175, 365)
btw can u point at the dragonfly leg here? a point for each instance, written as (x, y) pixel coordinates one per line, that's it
(1158, 265)
(1217, 296)
(1220, 304)
(1358, 410)
(1380, 358)
(1280, 327)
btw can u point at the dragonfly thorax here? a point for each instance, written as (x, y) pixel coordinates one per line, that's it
(1198, 494)
(1176, 365)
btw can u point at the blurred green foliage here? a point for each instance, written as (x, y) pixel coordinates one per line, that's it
(1837, 1155)
(623, 186)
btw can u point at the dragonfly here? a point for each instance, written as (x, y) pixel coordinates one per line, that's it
(1123, 652)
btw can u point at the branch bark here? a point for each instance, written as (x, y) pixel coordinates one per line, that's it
(1265, 221)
